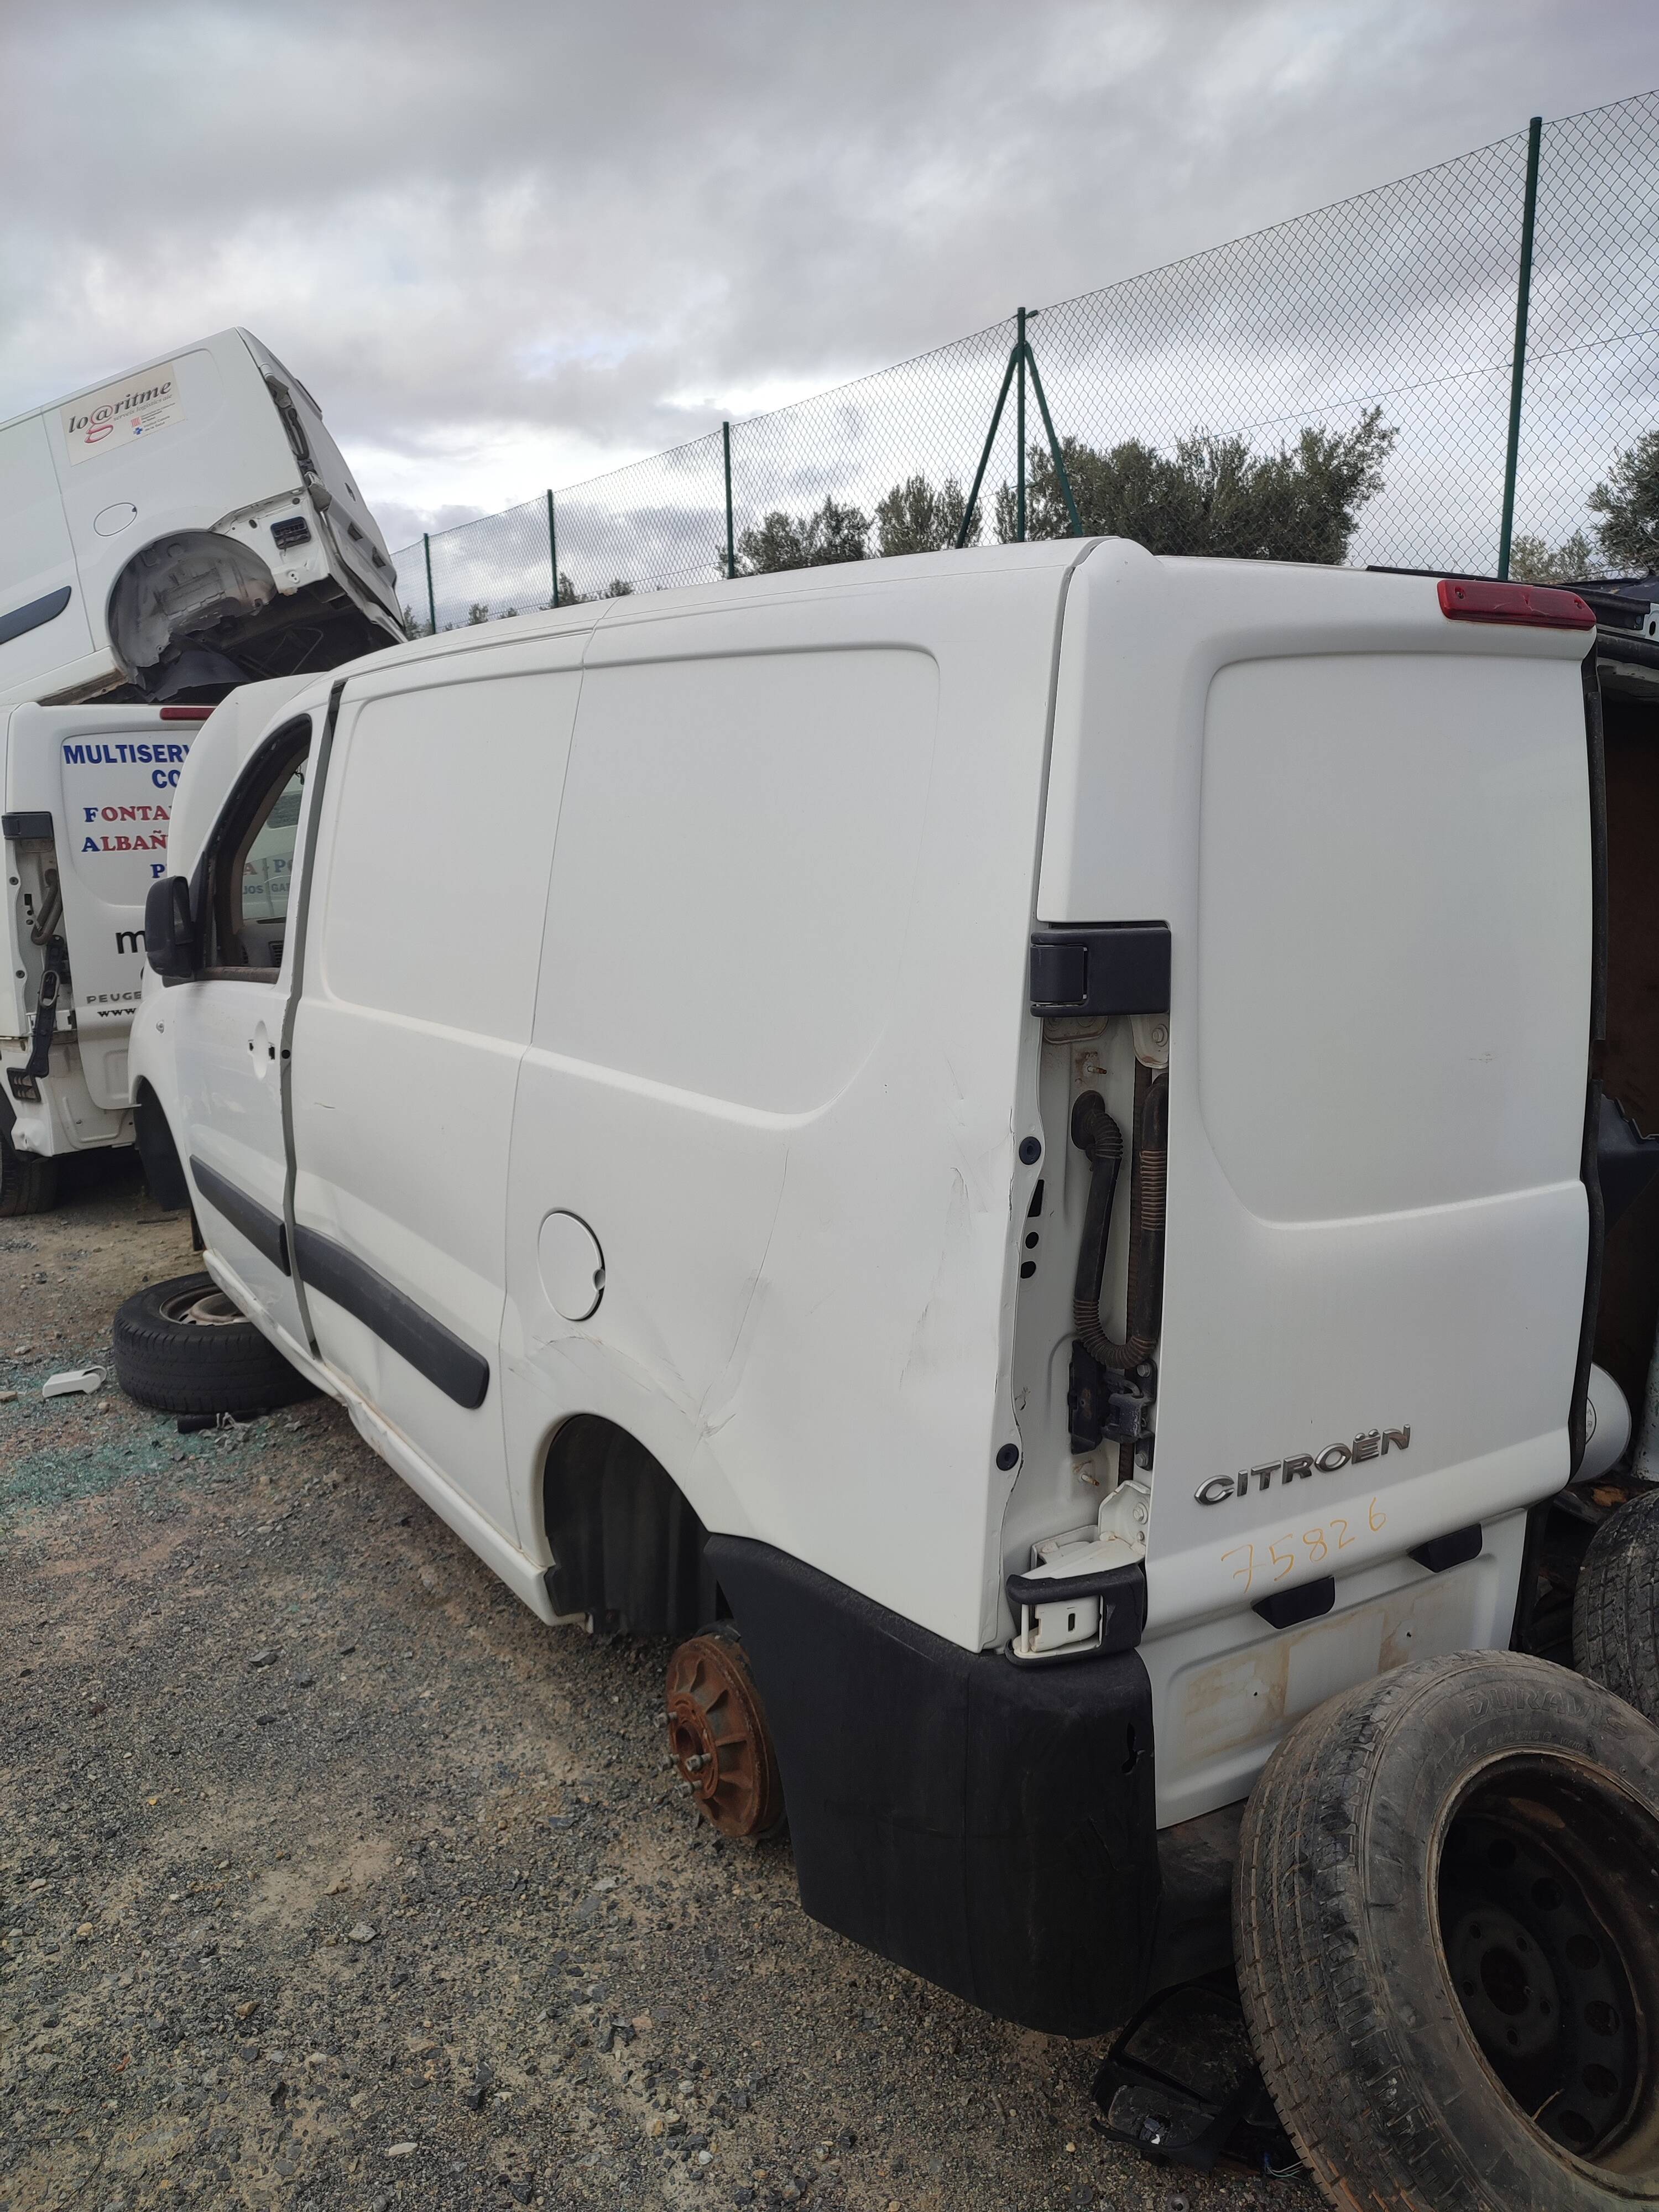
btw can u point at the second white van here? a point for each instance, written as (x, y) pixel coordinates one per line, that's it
(188, 526)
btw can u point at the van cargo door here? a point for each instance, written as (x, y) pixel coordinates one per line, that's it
(1369, 830)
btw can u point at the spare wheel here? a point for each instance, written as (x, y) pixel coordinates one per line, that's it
(1447, 1918)
(183, 1348)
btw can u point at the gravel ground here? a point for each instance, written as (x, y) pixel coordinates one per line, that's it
(332, 1879)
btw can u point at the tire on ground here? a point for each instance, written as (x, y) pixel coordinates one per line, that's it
(182, 1347)
(29, 1184)
(1615, 1608)
(1446, 1911)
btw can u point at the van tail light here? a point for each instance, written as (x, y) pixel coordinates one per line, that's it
(1537, 606)
(200, 714)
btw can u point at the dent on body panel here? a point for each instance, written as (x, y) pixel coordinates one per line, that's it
(932, 1339)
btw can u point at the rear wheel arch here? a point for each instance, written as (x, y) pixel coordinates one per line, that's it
(627, 1543)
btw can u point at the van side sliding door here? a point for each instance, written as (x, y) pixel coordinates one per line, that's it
(423, 943)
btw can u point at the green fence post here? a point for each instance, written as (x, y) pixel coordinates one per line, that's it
(431, 603)
(553, 548)
(1518, 368)
(1019, 418)
(731, 548)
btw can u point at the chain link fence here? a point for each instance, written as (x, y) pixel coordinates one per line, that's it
(1414, 377)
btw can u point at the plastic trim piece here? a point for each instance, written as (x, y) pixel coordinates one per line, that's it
(262, 1229)
(1448, 1551)
(1101, 968)
(431, 1349)
(23, 619)
(1307, 1601)
(1122, 1595)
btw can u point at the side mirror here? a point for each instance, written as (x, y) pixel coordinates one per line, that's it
(169, 933)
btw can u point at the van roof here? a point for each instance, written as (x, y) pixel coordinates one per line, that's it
(215, 340)
(830, 579)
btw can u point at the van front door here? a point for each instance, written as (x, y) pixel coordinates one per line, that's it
(227, 1022)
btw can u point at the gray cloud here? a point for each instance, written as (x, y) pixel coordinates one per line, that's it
(516, 244)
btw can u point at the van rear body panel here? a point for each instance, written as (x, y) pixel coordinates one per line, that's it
(803, 1191)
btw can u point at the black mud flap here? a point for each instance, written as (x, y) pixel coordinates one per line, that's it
(1181, 2084)
(988, 1826)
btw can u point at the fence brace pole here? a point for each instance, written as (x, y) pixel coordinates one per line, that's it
(1019, 417)
(553, 547)
(1518, 368)
(1059, 458)
(731, 548)
(985, 457)
(431, 603)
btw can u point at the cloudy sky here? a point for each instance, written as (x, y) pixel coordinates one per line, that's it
(511, 243)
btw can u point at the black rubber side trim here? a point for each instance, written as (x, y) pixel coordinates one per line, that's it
(990, 1827)
(1307, 1601)
(262, 1229)
(23, 619)
(1101, 968)
(430, 1348)
(1450, 1551)
(15, 826)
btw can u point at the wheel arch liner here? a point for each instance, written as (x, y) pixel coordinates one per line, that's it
(628, 1546)
(158, 1154)
(989, 1827)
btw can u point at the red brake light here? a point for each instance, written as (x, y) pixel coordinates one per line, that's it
(200, 714)
(1539, 606)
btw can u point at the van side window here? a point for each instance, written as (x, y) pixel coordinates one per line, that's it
(249, 864)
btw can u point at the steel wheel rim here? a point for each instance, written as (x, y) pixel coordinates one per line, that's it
(209, 1309)
(1546, 1936)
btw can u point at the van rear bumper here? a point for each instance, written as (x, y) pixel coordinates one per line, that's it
(988, 1827)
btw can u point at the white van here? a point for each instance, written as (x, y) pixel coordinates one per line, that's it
(86, 804)
(186, 527)
(998, 1141)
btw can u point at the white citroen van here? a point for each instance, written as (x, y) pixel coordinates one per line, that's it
(186, 527)
(1003, 1144)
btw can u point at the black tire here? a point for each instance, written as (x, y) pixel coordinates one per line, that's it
(182, 1347)
(29, 1184)
(1615, 1608)
(1446, 1910)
